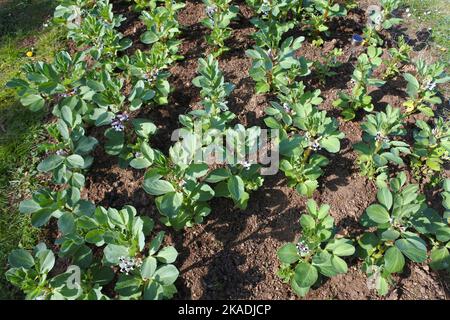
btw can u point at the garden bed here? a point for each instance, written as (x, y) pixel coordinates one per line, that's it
(233, 255)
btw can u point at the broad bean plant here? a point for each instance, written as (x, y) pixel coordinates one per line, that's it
(317, 252)
(219, 13)
(362, 78)
(431, 149)
(398, 56)
(273, 68)
(380, 144)
(318, 14)
(304, 131)
(397, 236)
(422, 87)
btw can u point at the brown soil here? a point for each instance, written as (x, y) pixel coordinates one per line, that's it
(233, 254)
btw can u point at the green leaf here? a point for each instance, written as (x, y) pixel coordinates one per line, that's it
(339, 264)
(170, 204)
(331, 144)
(440, 259)
(390, 235)
(299, 290)
(305, 275)
(341, 247)
(50, 163)
(41, 217)
(153, 291)
(20, 258)
(94, 236)
(166, 274)
(33, 101)
(413, 248)
(75, 161)
(307, 222)
(394, 260)
(115, 141)
(378, 214)
(322, 261)
(236, 187)
(217, 175)
(66, 223)
(382, 285)
(29, 206)
(102, 275)
(148, 267)
(157, 187)
(143, 127)
(413, 85)
(149, 37)
(288, 253)
(167, 255)
(384, 196)
(95, 85)
(311, 205)
(155, 244)
(127, 285)
(113, 252)
(83, 257)
(46, 260)
(140, 163)
(368, 241)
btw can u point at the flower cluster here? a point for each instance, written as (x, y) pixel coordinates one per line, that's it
(313, 143)
(127, 264)
(246, 164)
(151, 76)
(265, 7)
(286, 108)
(118, 121)
(302, 248)
(61, 152)
(210, 11)
(381, 138)
(430, 85)
(71, 93)
(270, 54)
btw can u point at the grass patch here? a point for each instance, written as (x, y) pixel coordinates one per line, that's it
(432, 15)
(21, 30)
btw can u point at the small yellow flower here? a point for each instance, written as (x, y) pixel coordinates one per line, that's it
(29, 54)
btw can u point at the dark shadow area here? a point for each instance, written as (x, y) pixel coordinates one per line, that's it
(237, 232)
(340, 166)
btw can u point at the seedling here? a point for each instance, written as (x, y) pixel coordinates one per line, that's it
(397, 58)
(379, 146)
(304, 130)
(317, 252)
(421, 88)
(361, 79)
(272, 69)
(395, 236)
(324, 69)
(431, 149)
(220, 14)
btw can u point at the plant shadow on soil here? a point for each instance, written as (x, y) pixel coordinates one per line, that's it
(225, 277)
